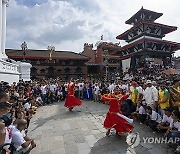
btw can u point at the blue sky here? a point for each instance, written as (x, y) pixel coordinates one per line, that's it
(68, 24)
(30, 3)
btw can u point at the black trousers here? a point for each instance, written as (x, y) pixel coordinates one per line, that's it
(142, 117)
(152, 124)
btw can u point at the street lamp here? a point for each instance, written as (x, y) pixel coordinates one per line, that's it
(24, 48)
(106, 63)
(51, 49)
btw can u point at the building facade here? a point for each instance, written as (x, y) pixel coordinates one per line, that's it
(176, 63)
(102, 64)
(52, 64)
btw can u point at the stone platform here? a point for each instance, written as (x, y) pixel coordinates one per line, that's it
(58, 131)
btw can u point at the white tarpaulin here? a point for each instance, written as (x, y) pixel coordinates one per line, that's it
(126, 64)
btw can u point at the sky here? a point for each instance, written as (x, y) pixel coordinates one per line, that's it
(68, 24)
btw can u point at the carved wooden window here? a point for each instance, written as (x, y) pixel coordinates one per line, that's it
(67, 70)
(33, 70)
(59, 71)
(43, 71)
(78, 70)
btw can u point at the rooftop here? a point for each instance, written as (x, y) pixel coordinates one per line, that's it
(45, 54)
(175, 45)
(151, 15)
(166, 29)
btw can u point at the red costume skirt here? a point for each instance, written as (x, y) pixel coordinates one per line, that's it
(72, 101)
(119, 124)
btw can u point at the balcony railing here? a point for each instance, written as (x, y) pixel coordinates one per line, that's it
(8, 67)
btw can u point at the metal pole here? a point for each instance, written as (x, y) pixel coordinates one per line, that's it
(106, 63)
(24, 55)
(106, 72)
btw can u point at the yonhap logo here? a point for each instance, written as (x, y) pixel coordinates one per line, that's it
(161, 140)
(133, 140)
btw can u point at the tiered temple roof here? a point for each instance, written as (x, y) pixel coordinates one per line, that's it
(143, 14)
(145, 37)
(165, 29)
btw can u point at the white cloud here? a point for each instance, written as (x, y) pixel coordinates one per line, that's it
(68, 24)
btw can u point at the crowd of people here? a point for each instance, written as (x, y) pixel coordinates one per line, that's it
(153, 99)
(17, 106)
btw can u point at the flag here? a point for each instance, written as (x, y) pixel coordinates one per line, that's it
(101, 37)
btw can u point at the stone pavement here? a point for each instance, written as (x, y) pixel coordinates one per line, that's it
(58, 131)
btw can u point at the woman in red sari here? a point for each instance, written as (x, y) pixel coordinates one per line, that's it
(71, 101)
(114, 118)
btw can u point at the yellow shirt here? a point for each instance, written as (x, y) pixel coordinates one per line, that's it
(178, 102)
(135, 95)
(163, 94)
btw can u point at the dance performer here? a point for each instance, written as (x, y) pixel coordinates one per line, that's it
(71, 101)
(114, 118)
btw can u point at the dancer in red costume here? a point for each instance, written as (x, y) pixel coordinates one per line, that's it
(114, 118)
(71, 100)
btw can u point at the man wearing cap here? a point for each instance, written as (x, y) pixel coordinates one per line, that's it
(134, 92)
(151, 95)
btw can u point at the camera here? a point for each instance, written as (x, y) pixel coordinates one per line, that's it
(6, 119)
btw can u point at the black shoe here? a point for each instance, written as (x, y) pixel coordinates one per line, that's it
(107, 133)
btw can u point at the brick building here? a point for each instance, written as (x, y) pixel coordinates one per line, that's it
(52, 64)
(102, 61)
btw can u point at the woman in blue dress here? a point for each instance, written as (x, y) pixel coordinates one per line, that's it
(88, 95)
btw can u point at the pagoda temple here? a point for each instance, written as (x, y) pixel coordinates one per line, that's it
(145, 44)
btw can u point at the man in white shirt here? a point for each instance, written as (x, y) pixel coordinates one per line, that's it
(167, 119)
(80, 92)
(96, 92)
(52, 87)
(124, 86)
(19, 141)
(43, 92)
(141, 113)
(111, 87)
(154, 118)
(27, 105)
(151, 95)
(174, 130)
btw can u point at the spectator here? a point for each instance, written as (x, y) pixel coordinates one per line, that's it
(153, 118)
(134, 93)
(151, 95)
(174, 129)
(163, 101)
(142, 115)
(96, 92)
(167, 119)
(21, 143)
(81, 87)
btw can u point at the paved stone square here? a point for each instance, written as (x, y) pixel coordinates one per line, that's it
(58, 131)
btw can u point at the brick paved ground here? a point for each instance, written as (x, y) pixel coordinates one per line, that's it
(58, 131)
